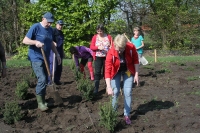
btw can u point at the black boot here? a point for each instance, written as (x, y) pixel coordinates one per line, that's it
(96, 86)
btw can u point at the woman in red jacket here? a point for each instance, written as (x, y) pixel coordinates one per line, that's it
(100, 44)
(121, 61)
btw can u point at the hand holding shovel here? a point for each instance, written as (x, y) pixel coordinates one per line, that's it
(56, 96)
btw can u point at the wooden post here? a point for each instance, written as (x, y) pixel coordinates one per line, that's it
(155, 55)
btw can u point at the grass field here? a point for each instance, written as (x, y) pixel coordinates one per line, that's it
(22, 63)
(174, 59)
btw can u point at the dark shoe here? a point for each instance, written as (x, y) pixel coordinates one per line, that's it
(58, 83)
(96, 86)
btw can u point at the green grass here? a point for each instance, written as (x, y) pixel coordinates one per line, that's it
(22, 63)
(193, 78)
(176, 59)
(168, 59)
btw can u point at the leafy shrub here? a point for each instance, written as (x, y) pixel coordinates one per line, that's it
(148, 67)
(86, 88)
(84, 85)
(163, 70)
(32, 74)
(108, 116)
(22, 89)
(22, 52)
(72, 65)
(78, 75)
(12, 112)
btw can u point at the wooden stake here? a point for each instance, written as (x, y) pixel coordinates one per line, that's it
(155, 55)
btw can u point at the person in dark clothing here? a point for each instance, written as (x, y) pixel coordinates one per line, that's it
(3, 61)
(58, 38)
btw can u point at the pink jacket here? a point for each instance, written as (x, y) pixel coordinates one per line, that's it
(93, 47)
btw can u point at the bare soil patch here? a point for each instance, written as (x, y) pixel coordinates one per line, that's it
(165, 102)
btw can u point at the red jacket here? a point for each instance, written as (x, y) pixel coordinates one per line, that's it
(112, 62)
(93, 47)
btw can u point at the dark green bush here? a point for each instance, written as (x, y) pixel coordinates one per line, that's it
(84, 85)
(12, 112)
(22, 89)
(86, 88)
(108, 116)
(76, 73)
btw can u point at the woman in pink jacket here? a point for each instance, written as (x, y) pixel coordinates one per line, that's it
(121, 61)
(100, 44)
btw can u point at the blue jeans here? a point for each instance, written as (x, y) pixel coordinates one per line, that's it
(127, 88)
(41, 73)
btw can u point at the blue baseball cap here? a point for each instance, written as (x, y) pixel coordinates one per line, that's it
(60, 22)
(49, 17)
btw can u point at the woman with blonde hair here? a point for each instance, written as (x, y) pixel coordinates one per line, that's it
(121, 61)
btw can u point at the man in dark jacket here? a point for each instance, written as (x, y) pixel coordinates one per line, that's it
(58, 38)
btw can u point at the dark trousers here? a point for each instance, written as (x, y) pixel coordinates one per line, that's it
(99, 64)
(84, 61)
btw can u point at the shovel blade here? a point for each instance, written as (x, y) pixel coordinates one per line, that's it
(57, 98)
(55, 95)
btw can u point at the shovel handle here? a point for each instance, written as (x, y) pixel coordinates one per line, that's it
(126, 37)
(46, 63)
(53, 71)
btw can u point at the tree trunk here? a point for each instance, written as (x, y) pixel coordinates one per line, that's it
(15, 23)
(164, 39)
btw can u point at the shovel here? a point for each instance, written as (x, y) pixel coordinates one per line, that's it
(56, 96)
(142, 59)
